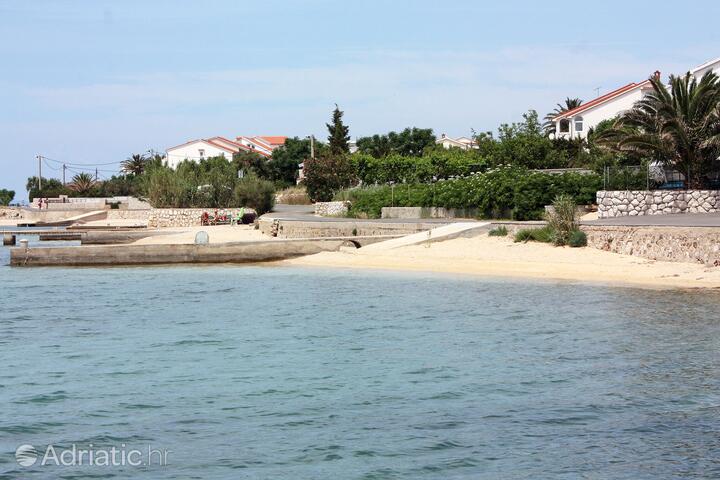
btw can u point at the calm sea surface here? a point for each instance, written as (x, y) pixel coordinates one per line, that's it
(285, 373)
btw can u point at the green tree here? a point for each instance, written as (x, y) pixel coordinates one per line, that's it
(255, 193)
(6, 196)
(82, 183)
(678, 127)
(339, 133)
(51, 187)
(411, 142)
(135, 164)
(326, 174)
(285, 162)
(525, 144)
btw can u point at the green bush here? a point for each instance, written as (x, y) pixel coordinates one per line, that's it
(577, 238)
(562, 218)
(504, 192)
(255, 193)
(543, 235)
(500, 231)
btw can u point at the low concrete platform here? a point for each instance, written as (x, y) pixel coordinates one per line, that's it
(239, 252)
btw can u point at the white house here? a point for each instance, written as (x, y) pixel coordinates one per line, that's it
(208, 148)
(577, 122)
(461, 142)
(222, 147)
(711, 66)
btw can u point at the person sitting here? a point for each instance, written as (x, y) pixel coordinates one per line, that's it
(204, 219)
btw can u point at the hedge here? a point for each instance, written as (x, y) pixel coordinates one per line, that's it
(504, 192)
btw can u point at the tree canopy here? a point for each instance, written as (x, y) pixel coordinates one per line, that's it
(411, 142)
(339, 137)
(6, 196)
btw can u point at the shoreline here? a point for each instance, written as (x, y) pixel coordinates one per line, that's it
(489, 257)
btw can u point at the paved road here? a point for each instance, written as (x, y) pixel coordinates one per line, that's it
(306, 213)
(675, 220)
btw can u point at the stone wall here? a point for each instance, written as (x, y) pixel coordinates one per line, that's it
(332, 209)
(11, 213)
(656, 202)
(171, 217)
(670, 244)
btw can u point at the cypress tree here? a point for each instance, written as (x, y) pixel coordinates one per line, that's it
(339, 133)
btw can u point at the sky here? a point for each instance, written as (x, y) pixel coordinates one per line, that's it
(92, 82)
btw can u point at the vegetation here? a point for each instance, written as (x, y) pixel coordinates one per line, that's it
(6, 196)
(255, 193)
(294, 196)
(504, 192)
(411, 142)
(562, 219)
(578, 238)
(679, 127)
(326, 174)
(283, 167)
(82, 183)
(339, 137)
(134, 165)
(561, 229)
(543, 235)
(500, 231)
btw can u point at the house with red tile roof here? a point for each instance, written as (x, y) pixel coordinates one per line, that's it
(577, 122)
(210, 147)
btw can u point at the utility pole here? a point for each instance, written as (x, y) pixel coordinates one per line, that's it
(39, 159)
(312, 147)
(96, 175)
(64, 167)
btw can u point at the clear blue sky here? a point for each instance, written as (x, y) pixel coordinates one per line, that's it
(94, 81)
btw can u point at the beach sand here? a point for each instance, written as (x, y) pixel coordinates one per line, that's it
(216, 233)
(501, 257)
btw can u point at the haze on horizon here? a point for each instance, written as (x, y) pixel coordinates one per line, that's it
(95, 81)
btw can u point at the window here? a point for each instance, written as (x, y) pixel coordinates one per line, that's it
(578, 124)
(202, 153)
(564, 126)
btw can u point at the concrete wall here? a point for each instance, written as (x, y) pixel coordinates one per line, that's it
(332, 209)
(656, 202)
(349, 228)
(427, 212)
(670, 244)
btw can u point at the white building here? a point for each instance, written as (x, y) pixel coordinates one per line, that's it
(711, 66)
(577, 122)
(461, 142)
(221, 147)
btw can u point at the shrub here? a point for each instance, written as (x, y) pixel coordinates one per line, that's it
(562, 218)
(577, 238)
(544, 235)
(294, 196)
(500, 231)
(327, 174)
(255, 193)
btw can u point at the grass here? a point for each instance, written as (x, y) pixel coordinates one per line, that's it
(500, 231)
(544, 235)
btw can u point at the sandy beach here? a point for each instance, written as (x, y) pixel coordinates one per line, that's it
(216, 234)
(501, 257)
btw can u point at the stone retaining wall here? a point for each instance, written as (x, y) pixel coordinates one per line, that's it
(332, 209)
(669, 244)
(656, 202)
(428, 212)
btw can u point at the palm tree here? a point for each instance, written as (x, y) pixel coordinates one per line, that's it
(82, 183)
(134, 165)
(570, 104)
(679, 127)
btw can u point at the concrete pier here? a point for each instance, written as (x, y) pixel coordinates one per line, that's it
(242, 252)
(9, 239)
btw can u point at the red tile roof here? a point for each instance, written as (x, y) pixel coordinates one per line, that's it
(609, 96)
(273, 140)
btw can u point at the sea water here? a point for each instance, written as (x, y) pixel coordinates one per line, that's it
(289, 373)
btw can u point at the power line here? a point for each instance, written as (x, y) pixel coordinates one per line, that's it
(81, 164)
